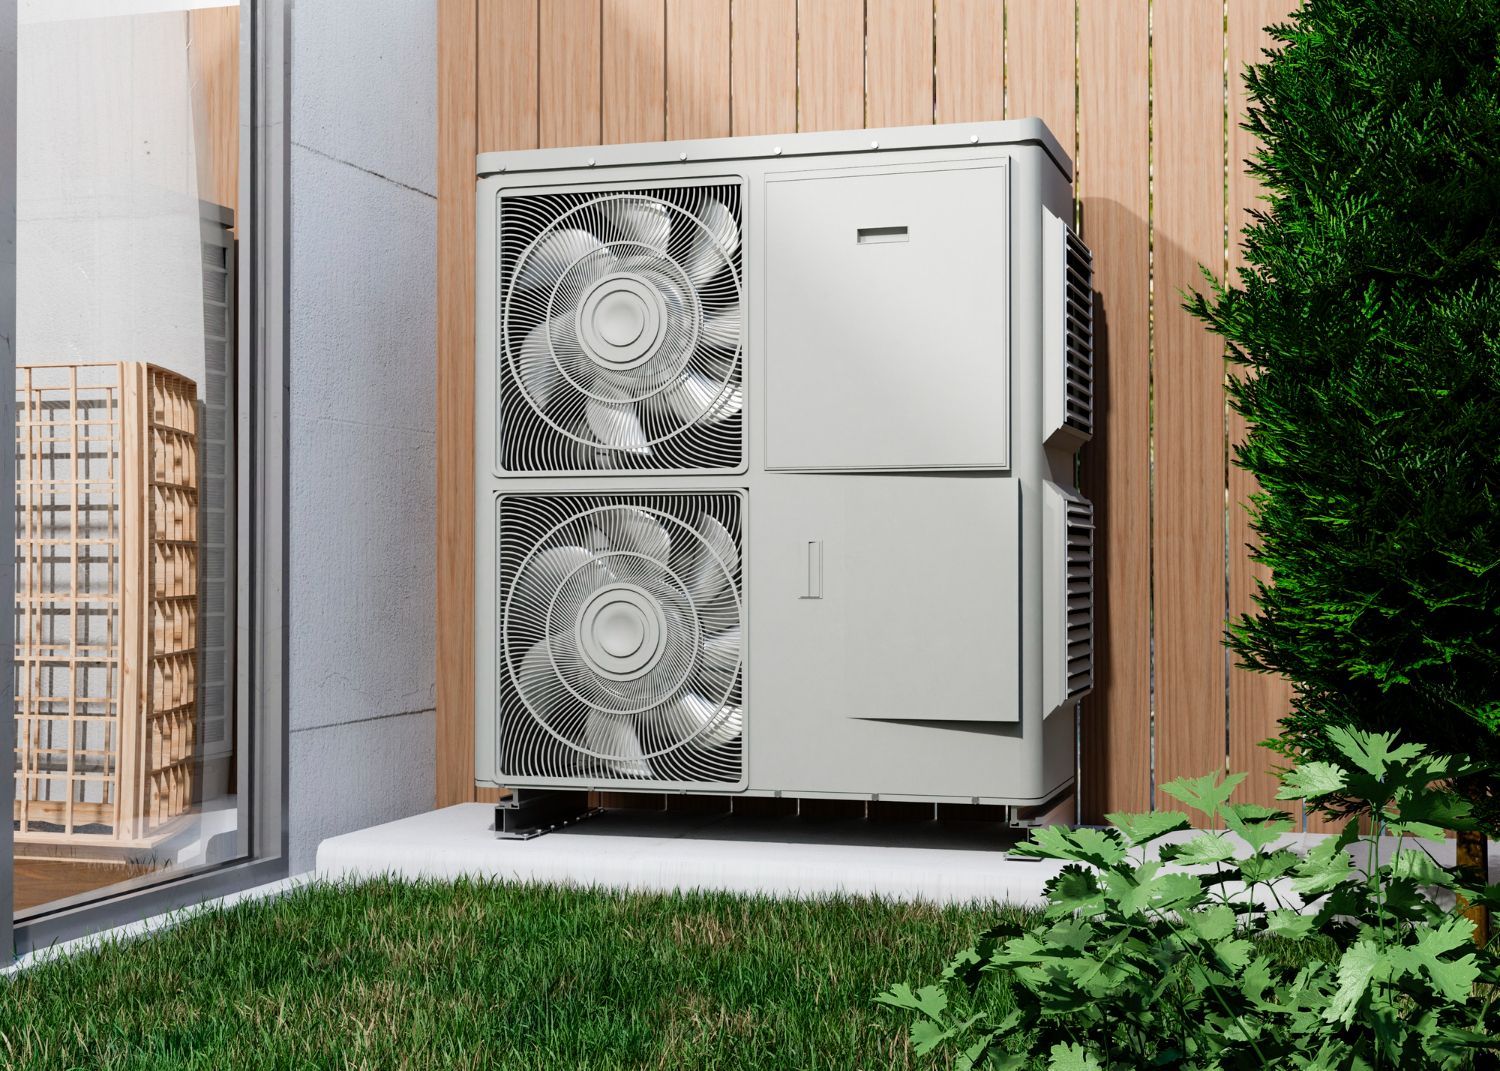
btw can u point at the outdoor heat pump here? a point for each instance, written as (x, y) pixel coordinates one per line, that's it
(775, 466)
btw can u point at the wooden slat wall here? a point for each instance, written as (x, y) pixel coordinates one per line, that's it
(1187, 541)
(521, 73)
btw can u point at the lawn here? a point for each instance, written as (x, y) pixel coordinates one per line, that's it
(397, 975)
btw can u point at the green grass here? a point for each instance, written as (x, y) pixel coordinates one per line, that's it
(397, 975)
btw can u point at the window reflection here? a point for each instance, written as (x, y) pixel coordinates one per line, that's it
(127, 172)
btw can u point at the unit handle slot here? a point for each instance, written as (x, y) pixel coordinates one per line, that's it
(879, 235)
(814, 588)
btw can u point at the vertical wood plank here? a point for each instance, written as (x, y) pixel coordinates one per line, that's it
(830, 64)
(1187, 380)
(763, 67)
(633, 79)
(697, 69)
(214, 60)
(1257, 701)
(1113, 191)
(898, 62)
(1039, 65)
(506, 55)
(971, 61)
(569, 59)
(456, 138)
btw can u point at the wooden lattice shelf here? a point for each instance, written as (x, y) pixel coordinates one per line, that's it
(107, 547)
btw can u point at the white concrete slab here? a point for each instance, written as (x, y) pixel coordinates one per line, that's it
(779, 857)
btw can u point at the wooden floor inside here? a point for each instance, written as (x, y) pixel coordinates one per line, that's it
(41, 881)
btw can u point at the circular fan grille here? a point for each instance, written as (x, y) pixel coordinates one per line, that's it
(621, 634)
(621, 330)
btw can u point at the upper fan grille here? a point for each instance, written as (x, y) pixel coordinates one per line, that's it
(1079, 338)
(620, 634)
(1080, 601)
(620, 326)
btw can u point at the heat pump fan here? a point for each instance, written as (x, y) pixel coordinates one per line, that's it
(620, 329)
(621, 638)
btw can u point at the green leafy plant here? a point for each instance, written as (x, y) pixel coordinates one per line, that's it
(1162, 946)
(1368, 319)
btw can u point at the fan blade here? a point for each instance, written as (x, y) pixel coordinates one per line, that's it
(721, 329)
(640, 220)
(721, 658)
(635, 531)
(538, 682)
(616, 424)
(542, 577)
(689, 716)
(612, 736)
(549, 259)
(715, 242)
(698, 399)
(539, 369)
(710, 562)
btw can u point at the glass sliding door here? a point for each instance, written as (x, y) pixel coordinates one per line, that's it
(141, 353)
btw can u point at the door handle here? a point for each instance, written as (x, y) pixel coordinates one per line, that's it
(814, 579)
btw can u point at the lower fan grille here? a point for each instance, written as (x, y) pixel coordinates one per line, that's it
(621, 639)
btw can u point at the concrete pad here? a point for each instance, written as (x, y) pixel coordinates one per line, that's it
(789, 858)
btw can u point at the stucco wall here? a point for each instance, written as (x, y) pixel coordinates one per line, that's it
(363, 219)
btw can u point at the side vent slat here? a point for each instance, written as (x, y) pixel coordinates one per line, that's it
(1068, 335)
(1080, 601)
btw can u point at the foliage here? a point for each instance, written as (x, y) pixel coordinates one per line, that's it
(1368, 320)
(397, 975)
(1178, 957)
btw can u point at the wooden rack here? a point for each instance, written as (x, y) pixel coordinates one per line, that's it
(107, 545)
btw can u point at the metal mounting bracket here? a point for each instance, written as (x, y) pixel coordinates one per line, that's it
(528, 813)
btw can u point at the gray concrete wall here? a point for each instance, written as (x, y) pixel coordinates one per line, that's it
(363, 338)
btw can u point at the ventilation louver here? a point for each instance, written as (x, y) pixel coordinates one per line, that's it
(1069, 333)
(620, 331)
(1079, 526)
(621, 641)
(1067, 596)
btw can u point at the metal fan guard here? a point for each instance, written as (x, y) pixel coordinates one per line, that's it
(649, 376)
(524, 635)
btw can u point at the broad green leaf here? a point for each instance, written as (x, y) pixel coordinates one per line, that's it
(1141, 829)
(1433, 808)
(1212, 924)
(1449, 979)
(1311, 780)
(1372, 752)
(1206, 793)
(1203, 849)
(1269, 866)
(1074, 889)
(930, 1000)
(1073, 934)
(927, 1035)
(1071, 1058)
(1256, 825)
(1418, 866)
(1100, 847)
(1453, 979)
(1356, 967)
(1292, 925)
(1326, 865)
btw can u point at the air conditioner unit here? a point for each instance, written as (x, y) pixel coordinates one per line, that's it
(776, 441)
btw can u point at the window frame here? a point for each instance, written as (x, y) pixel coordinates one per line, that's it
(262, 483)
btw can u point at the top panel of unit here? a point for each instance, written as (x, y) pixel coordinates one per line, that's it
(774, 146)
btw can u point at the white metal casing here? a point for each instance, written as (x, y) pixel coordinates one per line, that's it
(895, 558)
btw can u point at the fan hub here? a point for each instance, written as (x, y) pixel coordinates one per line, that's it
(621, 321)
(621, 631)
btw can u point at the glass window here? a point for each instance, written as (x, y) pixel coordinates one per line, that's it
(128, 228)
